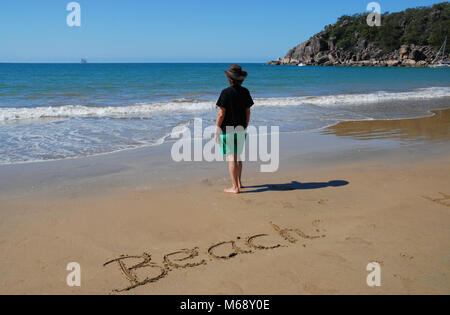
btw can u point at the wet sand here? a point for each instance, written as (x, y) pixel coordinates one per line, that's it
(433, 128)
(355, 193)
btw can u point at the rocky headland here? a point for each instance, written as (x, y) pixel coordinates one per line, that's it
(411, 38)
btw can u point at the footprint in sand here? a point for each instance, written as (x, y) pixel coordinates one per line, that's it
(207, 182)
(334, 257)
(408, 284)
(357, 240)
(23, 242)
(229, 287)
(445, 201)
(380, 262)
(315, 290)
(318, 225)
(287, 205)
(406, 256)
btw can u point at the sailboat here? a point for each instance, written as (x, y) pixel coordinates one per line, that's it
(438, 62)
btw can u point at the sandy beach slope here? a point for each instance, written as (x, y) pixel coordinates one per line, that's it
(311, 228)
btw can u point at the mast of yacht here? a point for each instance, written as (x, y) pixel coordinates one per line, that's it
(441, 50)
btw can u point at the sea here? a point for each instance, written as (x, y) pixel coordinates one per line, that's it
(60, 111)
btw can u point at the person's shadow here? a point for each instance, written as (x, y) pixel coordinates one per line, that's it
(294, 185)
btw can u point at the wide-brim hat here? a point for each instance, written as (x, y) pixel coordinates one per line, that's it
(236, 73)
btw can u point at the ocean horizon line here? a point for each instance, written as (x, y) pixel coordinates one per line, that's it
(134, 62)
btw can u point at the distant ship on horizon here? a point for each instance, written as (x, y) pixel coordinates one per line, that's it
(83, 61)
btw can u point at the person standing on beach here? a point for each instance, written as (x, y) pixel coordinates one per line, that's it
(232, 120)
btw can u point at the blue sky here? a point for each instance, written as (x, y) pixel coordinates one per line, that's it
(169, 30)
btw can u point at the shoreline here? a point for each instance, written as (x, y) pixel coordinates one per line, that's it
(163, 140)
(313, 143)
(148, 161)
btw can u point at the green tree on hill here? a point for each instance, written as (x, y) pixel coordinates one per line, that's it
(419, 26)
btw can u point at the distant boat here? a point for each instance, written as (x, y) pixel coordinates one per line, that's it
(301, 64)
(438, 62)
(83, 61)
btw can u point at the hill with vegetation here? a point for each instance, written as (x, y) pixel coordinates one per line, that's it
(408, 38)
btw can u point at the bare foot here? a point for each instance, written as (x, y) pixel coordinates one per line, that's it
(232, 190)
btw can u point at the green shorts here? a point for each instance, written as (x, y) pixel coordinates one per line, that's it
(233, 143)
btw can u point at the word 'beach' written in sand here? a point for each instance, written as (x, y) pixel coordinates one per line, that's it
(189, 258)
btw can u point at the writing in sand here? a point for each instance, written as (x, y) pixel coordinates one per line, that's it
(190, 258)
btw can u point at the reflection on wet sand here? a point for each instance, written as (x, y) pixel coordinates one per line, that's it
(436, 127)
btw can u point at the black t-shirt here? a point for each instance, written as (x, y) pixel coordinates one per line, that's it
(235, 99)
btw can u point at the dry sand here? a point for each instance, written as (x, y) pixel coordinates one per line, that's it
(343, 216)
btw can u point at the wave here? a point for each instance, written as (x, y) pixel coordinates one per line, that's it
(361, 99)
(141, 110)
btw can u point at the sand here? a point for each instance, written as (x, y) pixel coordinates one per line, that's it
(311, 228)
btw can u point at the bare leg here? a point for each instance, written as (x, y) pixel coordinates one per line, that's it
(234, 173)
(240, 175)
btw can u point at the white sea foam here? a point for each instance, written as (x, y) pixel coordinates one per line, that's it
(138, 110)
(188, 105)
(360, 99)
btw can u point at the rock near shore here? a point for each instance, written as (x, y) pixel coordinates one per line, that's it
(321, 52)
